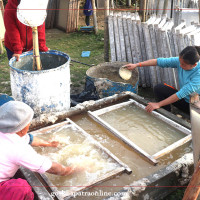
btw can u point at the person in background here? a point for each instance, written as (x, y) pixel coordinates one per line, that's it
(87, 11)
(18, 37)
(188, 68)
(15, 151)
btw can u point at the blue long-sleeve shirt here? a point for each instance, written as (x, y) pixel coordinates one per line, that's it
(189, 80)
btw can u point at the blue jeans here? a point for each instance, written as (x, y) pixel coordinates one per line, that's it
(9, 53)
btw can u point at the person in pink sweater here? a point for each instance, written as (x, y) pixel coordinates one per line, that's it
(15, 151)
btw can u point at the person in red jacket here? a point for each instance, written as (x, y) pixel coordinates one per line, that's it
(18, 37)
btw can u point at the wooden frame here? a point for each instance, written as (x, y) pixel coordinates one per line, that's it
(122, 167)
(151, 158)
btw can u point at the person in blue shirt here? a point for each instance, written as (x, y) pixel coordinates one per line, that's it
(87, 11)
(188, 68)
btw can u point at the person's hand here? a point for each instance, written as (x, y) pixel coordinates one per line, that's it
(73, 170)
(16, 56)
(52, 144)
(130, 66)
(152, 106)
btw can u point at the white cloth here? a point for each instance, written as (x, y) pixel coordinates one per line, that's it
(15, 152)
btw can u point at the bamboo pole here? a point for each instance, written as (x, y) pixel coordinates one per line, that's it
(2, 7)
(1, 47)
(36, 53)
(95, 16)
(106, 35)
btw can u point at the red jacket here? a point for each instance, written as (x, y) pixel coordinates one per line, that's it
(18, 37)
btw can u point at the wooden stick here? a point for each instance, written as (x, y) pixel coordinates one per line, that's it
(36, 54)
(94, 17)
(193, 188)
(1, 47)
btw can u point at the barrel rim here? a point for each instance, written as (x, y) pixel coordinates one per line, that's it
(55, 52)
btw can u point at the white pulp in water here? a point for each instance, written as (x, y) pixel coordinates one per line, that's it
(76, 150)
(148, 132)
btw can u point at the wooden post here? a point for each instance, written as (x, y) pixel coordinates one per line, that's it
(193, 188)
(128, 2)
(106, 34)
(112, 4)
(144, 10)
(36, 53)
(94, 16)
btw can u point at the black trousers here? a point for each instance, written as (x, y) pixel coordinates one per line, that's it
(163, 91)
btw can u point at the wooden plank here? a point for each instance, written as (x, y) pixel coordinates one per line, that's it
(154, 44)
(140, 51)
(172, 147)
(164, 72)
(121, 37)
(126, 38)
(155, 50)
(141, 152)
(149, 53)
(171, 72)
(157, 29)
(68, 16)
(111, 38)
(117, 40)
(73, 16)
(132, 38)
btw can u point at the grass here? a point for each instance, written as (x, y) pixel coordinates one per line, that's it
(73, 44)
(4, 74)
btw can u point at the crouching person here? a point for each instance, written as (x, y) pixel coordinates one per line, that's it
(15, 151)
